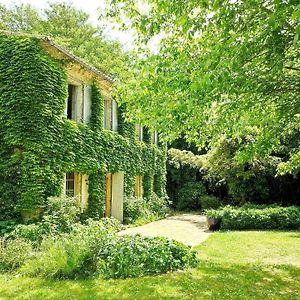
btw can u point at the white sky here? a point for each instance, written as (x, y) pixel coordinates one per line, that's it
(89, 6)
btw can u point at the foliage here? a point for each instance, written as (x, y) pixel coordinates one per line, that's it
(70, 27)
(34, 157)
(28, 232)
(224, 176)
(95, 247)
(222, 69)
(7, 226)
(74, 254)
(14, 253)
(133, 256)
(61, 213)
(258, 218)
(249, 265)
(210, 202)
(136, 209)
(189, 195)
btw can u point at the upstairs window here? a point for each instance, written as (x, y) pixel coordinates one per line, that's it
(71, 102)
(74, 103)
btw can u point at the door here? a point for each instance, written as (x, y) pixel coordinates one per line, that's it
(108, 194)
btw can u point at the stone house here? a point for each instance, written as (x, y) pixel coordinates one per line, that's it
(61, 132)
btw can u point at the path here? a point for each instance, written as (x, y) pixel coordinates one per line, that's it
(188, 228)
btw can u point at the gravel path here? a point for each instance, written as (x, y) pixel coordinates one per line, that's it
(188, 228)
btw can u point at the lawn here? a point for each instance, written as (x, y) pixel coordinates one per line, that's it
(233, 265)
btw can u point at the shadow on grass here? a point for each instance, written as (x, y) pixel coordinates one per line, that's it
(209, 281)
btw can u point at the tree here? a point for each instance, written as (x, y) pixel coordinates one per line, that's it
(69, 27)
(223, 69)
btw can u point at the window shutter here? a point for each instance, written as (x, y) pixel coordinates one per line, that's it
(86, 103)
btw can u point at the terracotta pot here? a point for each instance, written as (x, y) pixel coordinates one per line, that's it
(213, 223)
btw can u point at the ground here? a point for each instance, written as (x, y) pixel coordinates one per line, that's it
(188, 228)
(233, 265)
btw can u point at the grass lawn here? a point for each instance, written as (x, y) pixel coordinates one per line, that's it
(233, 265)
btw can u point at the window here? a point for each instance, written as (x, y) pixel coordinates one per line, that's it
(74, 105)
(76, 185)
(111, 114)
(70, 184)
(71, 102)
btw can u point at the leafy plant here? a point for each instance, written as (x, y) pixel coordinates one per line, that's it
(61, 213)
(30, 232)
(14, 253)
(7, 226)
(258, 218)
(189, 195)
(210, 202)
(145, 209)
(133, 256)
(74, 254)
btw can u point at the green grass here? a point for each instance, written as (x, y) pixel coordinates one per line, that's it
(234, 265)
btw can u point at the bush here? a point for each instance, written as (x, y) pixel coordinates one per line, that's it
(141, 208)
(258, 218)
(31, 232)
(95, 247)
(75, 254)
(133, 209)
(189, 195)
(7, 226)
(132, 256)
(62, 212)
(159, 205)
(210, 202)
(14, 253)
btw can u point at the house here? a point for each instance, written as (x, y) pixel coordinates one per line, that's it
(61, 132)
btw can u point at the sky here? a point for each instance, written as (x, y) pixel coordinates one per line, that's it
(89, 6)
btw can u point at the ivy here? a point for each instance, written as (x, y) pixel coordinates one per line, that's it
(38, 146)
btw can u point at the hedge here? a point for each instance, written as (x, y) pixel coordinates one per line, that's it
(273, 217)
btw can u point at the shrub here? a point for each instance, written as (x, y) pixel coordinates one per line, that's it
(133, 209)
(159, 205)
(7, 226)
(14, 253)
(31, 232)
(95, 247)
(132, 256)
(75, 254)
(258, 218)
(62, 212)
(189, 195)
(210, 202)
(141, 208)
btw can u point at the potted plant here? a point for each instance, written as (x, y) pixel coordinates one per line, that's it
(214, 219)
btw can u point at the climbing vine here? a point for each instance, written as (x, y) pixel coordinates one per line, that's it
(38, 146)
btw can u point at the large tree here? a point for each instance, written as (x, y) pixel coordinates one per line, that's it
(71, 28)
(224, 69)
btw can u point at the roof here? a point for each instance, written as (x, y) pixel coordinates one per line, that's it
(64, 51)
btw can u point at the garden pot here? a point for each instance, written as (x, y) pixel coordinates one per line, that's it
(213, 223)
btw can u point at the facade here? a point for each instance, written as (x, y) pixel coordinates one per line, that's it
(62, 133)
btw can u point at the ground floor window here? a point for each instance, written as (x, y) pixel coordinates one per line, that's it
(70, 184)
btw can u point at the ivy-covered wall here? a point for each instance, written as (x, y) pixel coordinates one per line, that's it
(38, 146)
